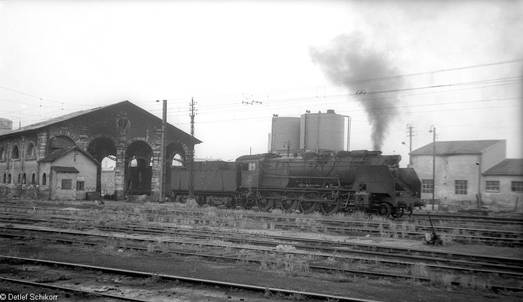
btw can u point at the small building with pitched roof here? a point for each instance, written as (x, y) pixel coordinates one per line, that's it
(459, 169)
(68, 174)
(503, 184)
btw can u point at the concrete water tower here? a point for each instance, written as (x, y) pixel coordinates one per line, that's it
(5, 125)
(285, 135)
(322, 131)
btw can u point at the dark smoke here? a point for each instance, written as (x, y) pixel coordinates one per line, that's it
(348, 63)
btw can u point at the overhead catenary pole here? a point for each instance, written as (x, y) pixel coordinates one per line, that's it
(162, 152)
(410, 127)
(192, 109)
(433, 130)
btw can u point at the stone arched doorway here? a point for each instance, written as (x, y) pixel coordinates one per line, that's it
(174, 157)
(103, 149)
(138, 179)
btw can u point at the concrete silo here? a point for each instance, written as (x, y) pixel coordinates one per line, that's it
(5, 125)
(285, 135)
(322, 131)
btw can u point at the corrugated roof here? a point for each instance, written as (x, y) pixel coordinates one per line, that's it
(508, 167)
(63, 169)
(69, 116)
(456, 147)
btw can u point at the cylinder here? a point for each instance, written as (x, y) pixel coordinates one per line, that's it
(285, 137)
(322, 131)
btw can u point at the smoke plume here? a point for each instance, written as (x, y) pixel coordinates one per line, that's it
(348, 63)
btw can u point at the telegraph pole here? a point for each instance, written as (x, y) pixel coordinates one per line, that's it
(162, 151)
(410, 127)
(192, 114)
(433, 130)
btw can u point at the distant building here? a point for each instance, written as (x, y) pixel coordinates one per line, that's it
(460, 166)
(5, 125)
(314, 132)
(503, 184)
(119, 131)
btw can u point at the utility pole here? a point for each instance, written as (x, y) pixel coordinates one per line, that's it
(433, 130)
(192, 109)
(410, 127)
(162, 151)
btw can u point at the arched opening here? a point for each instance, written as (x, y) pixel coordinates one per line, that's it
(174, 157)
(9, 178)
(44, 179)
(33, 179)
(24, 179)
(5, 178)
(58, 143)
(15, 154)
(138, 171)
(177, 161)
(19, 178)
(103, 149)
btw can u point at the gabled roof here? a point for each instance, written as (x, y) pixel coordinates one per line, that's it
(59, 119)
(51, 157)
(456, 147)
(507, 167)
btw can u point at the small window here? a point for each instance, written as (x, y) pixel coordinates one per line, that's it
(80, 185)
(492, 186)
(5, 178)
(24, 179)
(67, 184)
(252, 166)
(427, 185)
(9, 178)
(460, 187)
(44, 179)
(33, 179)
(15, 154)
(517, 186)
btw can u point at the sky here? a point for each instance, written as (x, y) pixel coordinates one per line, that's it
(460, 66)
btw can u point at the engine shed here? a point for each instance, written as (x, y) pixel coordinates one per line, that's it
(121, 131)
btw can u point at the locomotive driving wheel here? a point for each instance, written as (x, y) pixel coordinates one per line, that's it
(329, 206)
(308, 202)
(384, 209)
(264, 202)
(397, 212)
(248, 201)
(288, 201)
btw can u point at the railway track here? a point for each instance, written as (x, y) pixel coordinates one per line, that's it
(75, 291)
(509, 268)
(338, 226)
(270, 293)
(417, 218)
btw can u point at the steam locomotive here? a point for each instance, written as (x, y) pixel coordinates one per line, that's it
(326, 182)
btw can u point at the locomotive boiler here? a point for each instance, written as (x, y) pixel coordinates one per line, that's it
(326, 182)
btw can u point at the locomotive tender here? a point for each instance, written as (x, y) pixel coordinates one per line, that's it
(327, 182)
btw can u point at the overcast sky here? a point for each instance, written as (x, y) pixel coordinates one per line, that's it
(58, 57)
